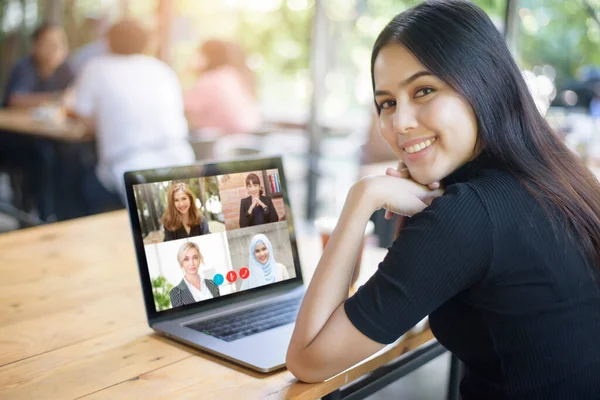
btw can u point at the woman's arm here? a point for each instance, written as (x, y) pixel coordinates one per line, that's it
(324, 341)
(175, 295)
(169, 235)
(212, 287)
(204, 230)
(272, 212)
(321, 320)
(244, 216)
(27, 100)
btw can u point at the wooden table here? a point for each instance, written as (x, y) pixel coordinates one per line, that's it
(73, 324)
(21, 121)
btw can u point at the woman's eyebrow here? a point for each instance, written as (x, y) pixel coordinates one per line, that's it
(405, 82)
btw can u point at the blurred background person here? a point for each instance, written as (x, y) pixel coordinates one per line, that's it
(43, 75)
(182, 218)
(193, 287)
(37, 79)
(135, 104)
(262, 265)
(224, 96)
(96, 25)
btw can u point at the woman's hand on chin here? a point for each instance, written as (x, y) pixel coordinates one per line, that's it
(396, 194)
(402, 172)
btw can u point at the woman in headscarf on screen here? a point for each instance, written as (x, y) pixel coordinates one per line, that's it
(262, 265)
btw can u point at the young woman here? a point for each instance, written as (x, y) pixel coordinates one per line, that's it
(192, 287)
(181, 218)
(505, 262)
(256, 209)
(262, 265)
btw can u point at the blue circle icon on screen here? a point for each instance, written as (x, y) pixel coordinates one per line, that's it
(218, 279)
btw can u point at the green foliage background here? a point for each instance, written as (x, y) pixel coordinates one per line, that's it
(161, 289)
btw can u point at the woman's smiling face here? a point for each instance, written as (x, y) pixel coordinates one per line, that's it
(261, 252)
(253, 189)
(430, 127)
(182, 202)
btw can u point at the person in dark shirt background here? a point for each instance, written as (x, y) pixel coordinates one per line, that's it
(42, 76)
(502, 250)
(182, 218)
(38, 79)
(256, 209)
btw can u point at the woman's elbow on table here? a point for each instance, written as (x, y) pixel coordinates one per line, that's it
(302, 370)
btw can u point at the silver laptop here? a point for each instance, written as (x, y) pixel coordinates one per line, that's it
(218, 258)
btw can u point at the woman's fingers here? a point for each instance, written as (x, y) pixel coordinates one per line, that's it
(392, 172)
(398, 173)
(402, 172)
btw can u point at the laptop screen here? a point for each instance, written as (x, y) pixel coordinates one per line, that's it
(213, 235)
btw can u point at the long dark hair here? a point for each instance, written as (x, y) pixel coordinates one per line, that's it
(457, 42)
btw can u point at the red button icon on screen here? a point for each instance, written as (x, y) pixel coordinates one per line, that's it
(244, 273)
(231, 276)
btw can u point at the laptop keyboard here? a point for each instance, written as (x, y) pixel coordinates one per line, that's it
(249, 322)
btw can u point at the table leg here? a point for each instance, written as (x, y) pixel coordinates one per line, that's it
(389, 373)
(335, 395)
(25, 220)
(44, 179)
(454, 378)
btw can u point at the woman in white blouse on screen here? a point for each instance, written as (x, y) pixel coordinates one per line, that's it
(192, 287)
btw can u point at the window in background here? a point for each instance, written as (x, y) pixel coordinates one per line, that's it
(353, 28)
(559, 41)
(563, 34)
(81, 33)
(275, 35)
(17, 20)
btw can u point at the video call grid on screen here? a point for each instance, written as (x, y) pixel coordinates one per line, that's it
(242, 242)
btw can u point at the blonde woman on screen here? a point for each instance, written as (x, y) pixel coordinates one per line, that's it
(193, 287)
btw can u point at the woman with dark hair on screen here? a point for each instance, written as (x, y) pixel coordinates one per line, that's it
(256, 209)
(182, 218)
(505, 261)
(262, 265)
(192, 287)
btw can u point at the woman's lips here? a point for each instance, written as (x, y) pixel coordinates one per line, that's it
(418, 155)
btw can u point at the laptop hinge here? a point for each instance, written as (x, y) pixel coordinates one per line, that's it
(261, 294)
